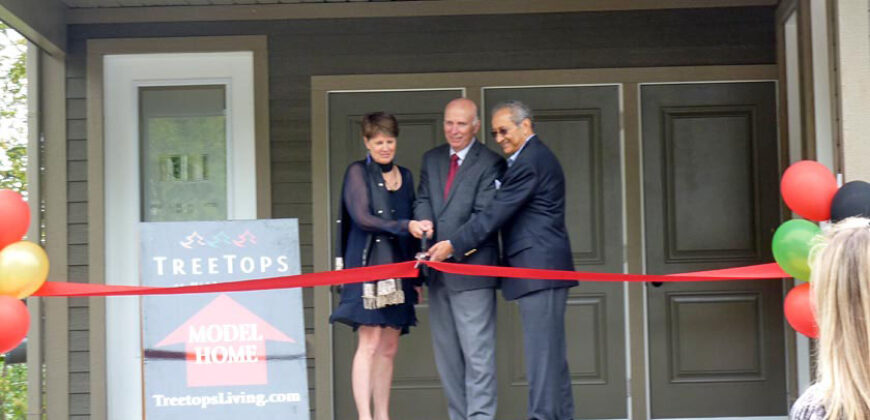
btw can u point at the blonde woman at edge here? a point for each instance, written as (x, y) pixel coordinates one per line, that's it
(841, 292)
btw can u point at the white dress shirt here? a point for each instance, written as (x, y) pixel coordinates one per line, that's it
(513, 157)
(462, 153)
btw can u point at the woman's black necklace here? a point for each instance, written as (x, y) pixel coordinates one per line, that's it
(386, 167)
(392, 179)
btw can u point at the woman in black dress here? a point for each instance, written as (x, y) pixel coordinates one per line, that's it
(376, 208)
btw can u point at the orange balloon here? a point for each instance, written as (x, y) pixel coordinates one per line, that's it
(23, 269)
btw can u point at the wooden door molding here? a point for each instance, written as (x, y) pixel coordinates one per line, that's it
(473, 82)
(97, 49)
(801, 10)
(711, 201)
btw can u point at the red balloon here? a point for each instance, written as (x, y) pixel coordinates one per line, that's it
(15, 322)
(799, 311)
(808, 187)
(14, 217)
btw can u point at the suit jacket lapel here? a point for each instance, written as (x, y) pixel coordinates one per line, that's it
(523, 156)
(531, 144)
(442, 163)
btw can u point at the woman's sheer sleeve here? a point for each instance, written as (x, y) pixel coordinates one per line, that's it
(356, 201)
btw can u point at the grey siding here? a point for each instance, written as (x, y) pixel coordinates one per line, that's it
(77, 233)
(299, 49)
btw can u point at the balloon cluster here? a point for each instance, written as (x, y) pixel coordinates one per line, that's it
(810, 190)
(23, 269)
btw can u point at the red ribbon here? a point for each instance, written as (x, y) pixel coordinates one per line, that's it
(327, 278)
(404, 270)
(761, 271)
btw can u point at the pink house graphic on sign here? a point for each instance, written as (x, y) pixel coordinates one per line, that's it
(225, 344)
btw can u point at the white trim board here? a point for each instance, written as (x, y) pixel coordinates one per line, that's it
(123, 75)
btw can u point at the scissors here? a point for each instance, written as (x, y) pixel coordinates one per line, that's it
(422, 256)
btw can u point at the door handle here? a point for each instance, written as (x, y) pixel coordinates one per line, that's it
(657, 283)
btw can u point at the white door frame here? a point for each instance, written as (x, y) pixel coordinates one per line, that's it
(123, 76)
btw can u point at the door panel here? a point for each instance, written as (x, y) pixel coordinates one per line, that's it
(711, 201)
(581, 126)
(417, 390)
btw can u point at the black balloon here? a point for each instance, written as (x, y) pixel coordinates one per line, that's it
(852, 199)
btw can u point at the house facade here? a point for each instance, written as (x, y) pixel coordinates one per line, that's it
(673, 120)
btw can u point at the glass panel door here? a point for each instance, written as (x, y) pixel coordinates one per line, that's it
(184, 153)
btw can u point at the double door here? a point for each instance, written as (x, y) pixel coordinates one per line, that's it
(708, 174)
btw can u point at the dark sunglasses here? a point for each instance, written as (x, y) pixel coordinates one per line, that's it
(503, 131)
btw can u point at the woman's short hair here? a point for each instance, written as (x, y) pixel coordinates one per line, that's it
(379, 123)
(840, 282)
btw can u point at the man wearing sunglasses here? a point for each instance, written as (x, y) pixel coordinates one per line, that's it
(529, 209)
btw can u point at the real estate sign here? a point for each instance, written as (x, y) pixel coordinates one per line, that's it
(217, 356)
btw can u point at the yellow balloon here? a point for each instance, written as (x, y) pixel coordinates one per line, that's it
(23, 269)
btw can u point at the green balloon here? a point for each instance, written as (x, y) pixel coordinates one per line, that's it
(791, 247)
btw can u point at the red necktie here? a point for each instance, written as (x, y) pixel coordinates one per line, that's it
(454, 166)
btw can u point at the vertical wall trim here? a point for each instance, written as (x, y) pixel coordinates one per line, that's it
(805, 60)
(853, 35)
(785, 9)
(797, 348)
(262, 145)
(34, 155)
(834, 76)
(96, 233)
(635, 298)
(321, 231)
(822, 87)
(806, 107)
(35, 196)
(52, 77)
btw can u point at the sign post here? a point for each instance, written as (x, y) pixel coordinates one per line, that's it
(222, 356)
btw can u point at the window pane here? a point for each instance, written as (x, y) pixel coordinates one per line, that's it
(184, 153)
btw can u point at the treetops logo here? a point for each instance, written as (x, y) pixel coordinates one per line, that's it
(219, 254)
(218, 240)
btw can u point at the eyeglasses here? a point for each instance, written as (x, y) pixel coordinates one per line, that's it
(503, 131)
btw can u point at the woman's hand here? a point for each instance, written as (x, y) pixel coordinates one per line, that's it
(418, 228)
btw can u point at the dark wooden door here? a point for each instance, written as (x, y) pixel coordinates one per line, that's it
(581, 125)
(711, 201)
(417, 390)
